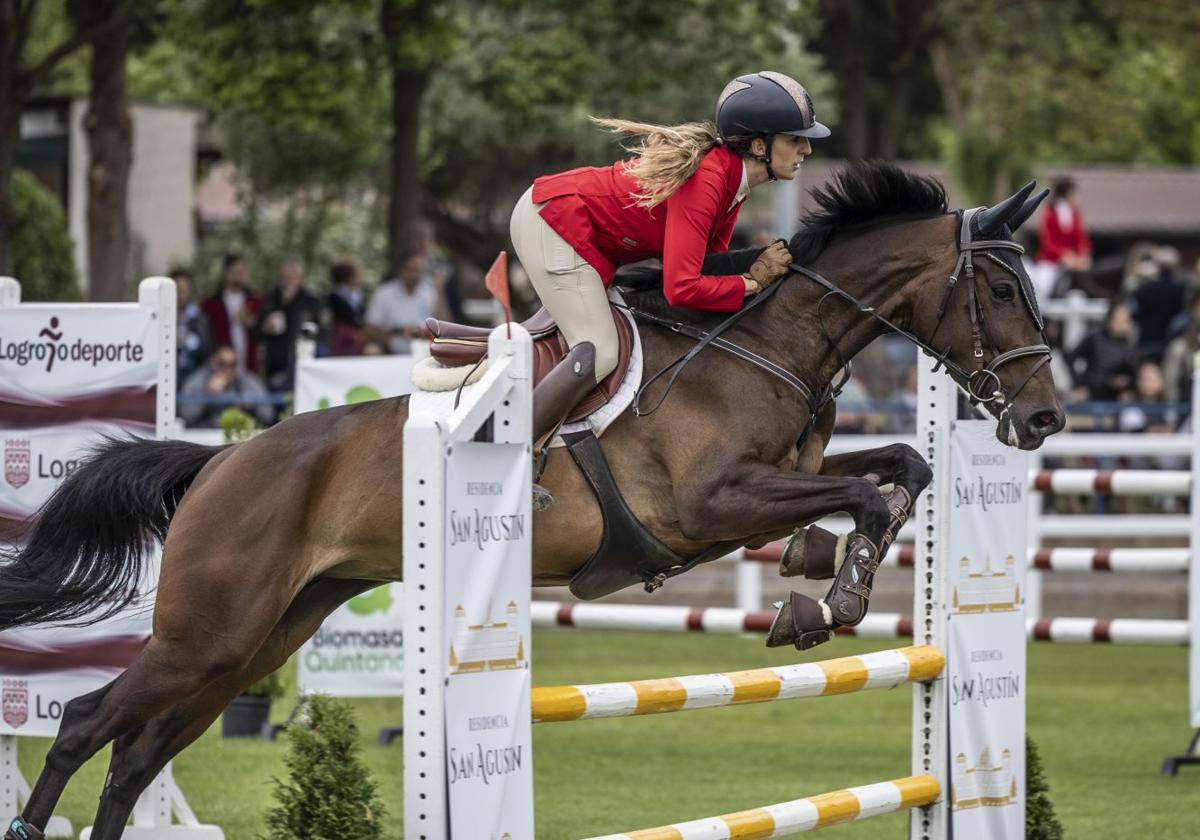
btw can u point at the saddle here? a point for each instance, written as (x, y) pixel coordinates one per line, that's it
(458, 345)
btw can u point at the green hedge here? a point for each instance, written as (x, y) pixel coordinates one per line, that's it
(43, 255)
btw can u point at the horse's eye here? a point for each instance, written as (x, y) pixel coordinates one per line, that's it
(1003, 291)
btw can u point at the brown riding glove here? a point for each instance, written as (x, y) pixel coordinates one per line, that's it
(771, 264)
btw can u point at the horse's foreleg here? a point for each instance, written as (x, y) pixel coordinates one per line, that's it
(761, 499)
(897, 464)
(139, 755)
(816, 553)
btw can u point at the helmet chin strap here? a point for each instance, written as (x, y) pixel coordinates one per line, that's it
(766, 158)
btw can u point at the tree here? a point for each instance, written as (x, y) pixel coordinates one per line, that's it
(22, 74)
(301, 107)
(505, 109)
(417, 35)
(876, 52)
(43, 255)
(110, 146)
(1079, 80)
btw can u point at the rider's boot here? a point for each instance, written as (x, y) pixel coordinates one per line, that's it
(554, 397)
(807, 623)
(21, 830)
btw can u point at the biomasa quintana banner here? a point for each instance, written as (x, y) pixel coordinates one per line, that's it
(358, 651)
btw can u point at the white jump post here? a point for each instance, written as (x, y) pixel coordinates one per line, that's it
(936, 410)
(1192, 756)
(433, 542)
(969, 582)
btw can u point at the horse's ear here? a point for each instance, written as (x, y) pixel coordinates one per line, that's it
(990, 221)
(1022, 216)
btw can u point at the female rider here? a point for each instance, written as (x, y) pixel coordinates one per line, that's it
(677, 199)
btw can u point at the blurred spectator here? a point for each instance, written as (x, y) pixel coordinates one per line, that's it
(233, 312)
(1149, 412)
(347, 308)
(219, 385)
(193, 338)
(1104, 363)
(399, 307)
(443, 272)
(1063, 242)
(1157, 299)
(286, 309)
(1177, 361)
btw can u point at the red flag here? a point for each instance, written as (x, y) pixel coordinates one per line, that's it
(496, 281)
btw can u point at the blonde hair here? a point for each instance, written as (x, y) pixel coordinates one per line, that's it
(666, 156)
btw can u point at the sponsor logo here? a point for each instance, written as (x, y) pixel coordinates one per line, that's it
(377, 600)
(51, 346)
(16, 462)
(14, 700)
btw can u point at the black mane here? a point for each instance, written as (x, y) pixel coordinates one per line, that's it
(865, 193)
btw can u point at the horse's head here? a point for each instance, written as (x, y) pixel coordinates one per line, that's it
(985, 323)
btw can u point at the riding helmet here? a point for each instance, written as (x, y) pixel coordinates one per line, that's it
(766, 103)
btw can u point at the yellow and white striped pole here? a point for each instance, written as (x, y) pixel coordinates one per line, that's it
(786, 818)
(883, 669)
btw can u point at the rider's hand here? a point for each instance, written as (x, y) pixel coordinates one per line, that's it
(771, 264)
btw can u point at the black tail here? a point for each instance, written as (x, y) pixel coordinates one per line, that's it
(86, 554)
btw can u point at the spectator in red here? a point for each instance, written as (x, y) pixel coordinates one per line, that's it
(233, 312)
(1063, 240)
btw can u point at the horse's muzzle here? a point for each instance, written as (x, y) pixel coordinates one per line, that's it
(1031, 431)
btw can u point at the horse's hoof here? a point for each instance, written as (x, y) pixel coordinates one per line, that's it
(21, 830)
(801, 622)
(542, 500)
(813, 553)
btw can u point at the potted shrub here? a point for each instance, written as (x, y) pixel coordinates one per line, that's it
(329, 791)
(247, 715)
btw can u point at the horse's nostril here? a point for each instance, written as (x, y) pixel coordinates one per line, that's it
(1047, 420)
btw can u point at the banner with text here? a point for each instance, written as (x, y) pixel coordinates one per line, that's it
(70, 374)
(986, 635)
(488, 578)
(358, 651)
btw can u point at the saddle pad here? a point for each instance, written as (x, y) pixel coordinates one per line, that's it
(441, 403)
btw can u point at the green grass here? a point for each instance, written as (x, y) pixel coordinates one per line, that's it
(1104, 718)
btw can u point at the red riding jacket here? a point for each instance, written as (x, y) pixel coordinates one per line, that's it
(592, 209)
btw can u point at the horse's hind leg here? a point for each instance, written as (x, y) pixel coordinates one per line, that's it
(140, 754)
(68, 754)
(196, 640)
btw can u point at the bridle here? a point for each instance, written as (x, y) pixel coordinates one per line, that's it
(982, 385)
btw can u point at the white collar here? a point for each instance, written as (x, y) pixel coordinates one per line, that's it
(743, 188)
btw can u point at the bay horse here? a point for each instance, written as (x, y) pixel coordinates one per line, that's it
(263, 539)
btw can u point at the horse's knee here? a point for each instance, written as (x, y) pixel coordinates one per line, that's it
(912, 466)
